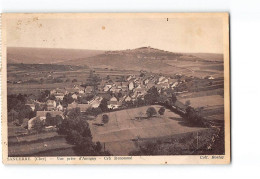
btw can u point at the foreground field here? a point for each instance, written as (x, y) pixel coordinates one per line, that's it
(213, 105)
(205, 101)
(126, 126)
(42, 144)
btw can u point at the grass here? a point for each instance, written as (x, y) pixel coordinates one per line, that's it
(205, 101)
(125, 126)
(193, 143)
(38, 146)
(34, 144)
(29, 138)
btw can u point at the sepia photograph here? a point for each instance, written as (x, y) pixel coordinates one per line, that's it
(115, 88)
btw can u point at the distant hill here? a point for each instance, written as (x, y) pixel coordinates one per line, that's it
(144, 58)
(46, 55)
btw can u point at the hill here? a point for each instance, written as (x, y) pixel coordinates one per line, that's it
(144, 58)
(46, 55)
(149, 59)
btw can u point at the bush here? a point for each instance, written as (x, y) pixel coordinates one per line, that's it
(193, 117)
(105, 118)
(93, 111)
(151, 112)
(78, 133)
(38, 125)
(161, 111)
(187, 103)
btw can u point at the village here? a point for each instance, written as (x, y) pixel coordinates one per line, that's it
(115, 95)
(102, 95)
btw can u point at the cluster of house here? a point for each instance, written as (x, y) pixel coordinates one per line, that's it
(94, 103)
(131, 89)
(136, 87)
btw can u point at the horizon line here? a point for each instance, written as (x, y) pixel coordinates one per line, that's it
(108, 50)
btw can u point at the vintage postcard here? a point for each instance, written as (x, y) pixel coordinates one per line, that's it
(115, 88)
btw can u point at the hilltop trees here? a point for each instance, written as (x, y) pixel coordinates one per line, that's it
(161, 110)
(151, 112)
(103, 105)
(67, 99)
(44, 95)
(152, 95)
(173, 99)
(193, 116)
(94, 111)
(105, 118)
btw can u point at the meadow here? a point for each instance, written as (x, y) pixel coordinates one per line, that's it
(127, 126)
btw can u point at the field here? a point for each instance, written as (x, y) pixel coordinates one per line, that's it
(205, 101)
(26, 72)
(213, 105)
(36, 144)
(125, 126)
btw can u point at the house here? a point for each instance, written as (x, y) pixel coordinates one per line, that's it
(107, 88)
(113, 103)
(82, 107)
(74, 96)
(162, 79)
(59, 107)
(31, 123)
(130, 77)
(81, 91)
(51, 105)
(95, 102)
(211, 78)
(174, 85)
(59, 96)
(128, 98)
(146, 81)
(131, 86)
(113, 100)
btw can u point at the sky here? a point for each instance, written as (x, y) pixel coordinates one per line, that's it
(192, 35)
